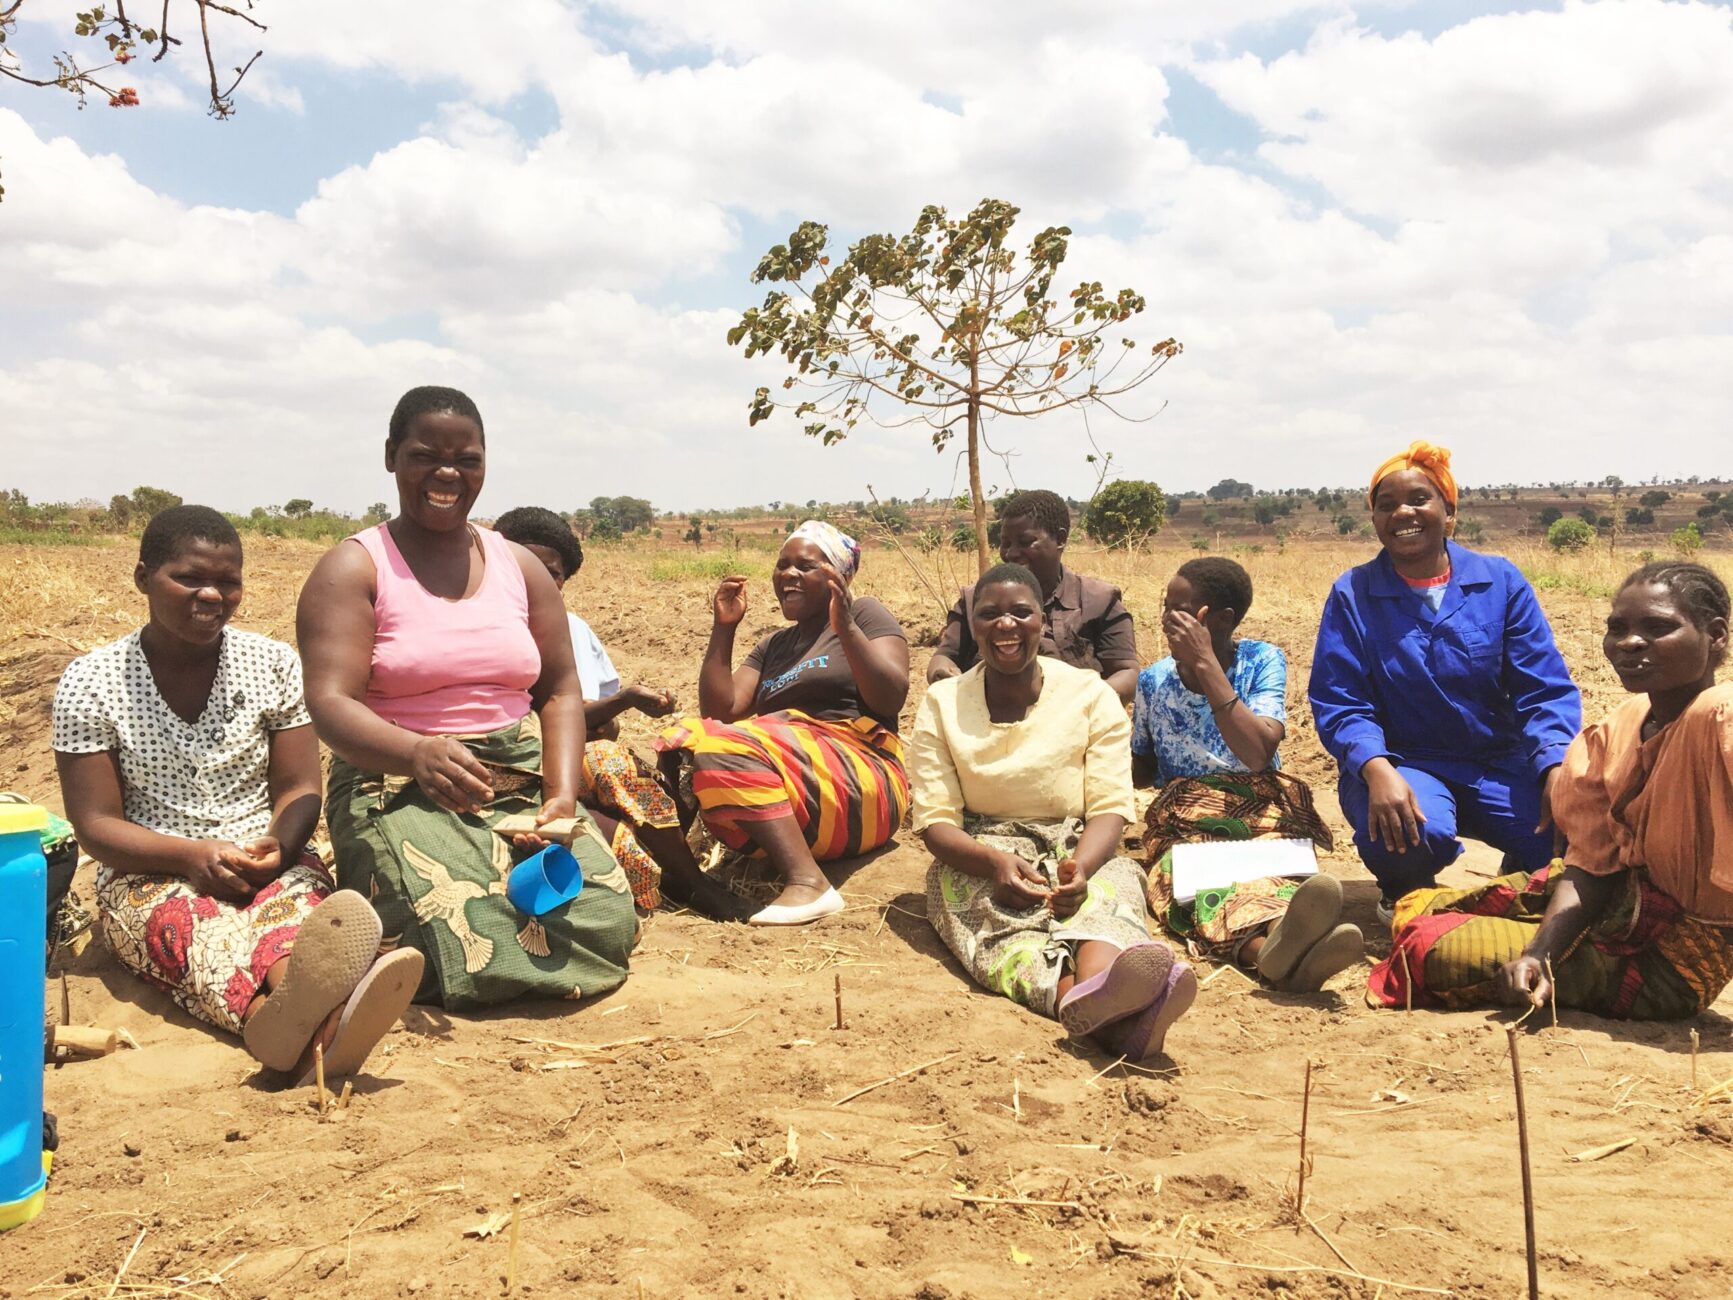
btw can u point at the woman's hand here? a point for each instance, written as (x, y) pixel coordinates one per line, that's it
(728, 605)
(261, 863)
(1524, 980)
(552, 810)
(450, 775)
(1393, 815)
(1016, 883)
(655, 703)
(1064, 901)
(1188, 639)
(841, 602)
(216, 869)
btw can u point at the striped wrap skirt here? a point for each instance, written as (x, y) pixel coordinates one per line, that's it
(842, 782)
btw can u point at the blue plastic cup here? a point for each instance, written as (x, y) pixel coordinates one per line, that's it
(543, 881)
(23, 941)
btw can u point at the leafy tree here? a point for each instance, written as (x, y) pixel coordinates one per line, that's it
(963, 538)
(1229, 488)
(378, 512)
(947, 325)
(119, 510)
(1127, 512)
(694, 534)
(148, 502)
(1687, 540)
(1638, 516)
(1345, 524)
(622, 515)
(298, 508)
(1654, 499)
(117, 41)
(1570, 534)
(1200, 544)
(1470, 530)
(1549, 516)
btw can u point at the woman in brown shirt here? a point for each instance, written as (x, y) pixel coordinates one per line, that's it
(1636, 920)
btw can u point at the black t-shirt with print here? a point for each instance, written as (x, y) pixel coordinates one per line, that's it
(801, 670)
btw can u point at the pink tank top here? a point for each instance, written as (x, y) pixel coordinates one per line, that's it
(450, 667)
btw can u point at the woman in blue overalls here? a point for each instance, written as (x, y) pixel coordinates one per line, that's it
(1438, 689)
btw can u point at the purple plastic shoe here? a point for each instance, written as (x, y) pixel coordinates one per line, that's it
(1140, 1038)
(1137, 977)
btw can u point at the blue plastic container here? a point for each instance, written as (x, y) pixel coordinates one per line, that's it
(543, 881)
(23, 941)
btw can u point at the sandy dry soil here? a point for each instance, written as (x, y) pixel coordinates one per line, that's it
(697, 1132)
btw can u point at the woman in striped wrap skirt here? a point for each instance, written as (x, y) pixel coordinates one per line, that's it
(797, 756)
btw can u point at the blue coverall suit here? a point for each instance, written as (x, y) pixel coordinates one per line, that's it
(1473, 704)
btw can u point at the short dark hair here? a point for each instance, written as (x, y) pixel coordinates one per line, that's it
(536, 526)
(171, 529)
(428, 400)
(1220, 583)
(1046, 510)
(1011, 573)
(1700, 593)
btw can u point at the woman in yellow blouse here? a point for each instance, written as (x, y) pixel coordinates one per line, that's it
(1020, 771)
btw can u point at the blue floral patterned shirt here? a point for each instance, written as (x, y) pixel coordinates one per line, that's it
(1172, 724)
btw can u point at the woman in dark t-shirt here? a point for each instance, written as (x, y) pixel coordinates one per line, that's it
(797, 756)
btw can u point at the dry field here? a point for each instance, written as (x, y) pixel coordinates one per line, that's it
(698, 1132)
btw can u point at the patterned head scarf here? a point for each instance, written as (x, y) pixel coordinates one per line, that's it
(841, 550)
(1434, 462)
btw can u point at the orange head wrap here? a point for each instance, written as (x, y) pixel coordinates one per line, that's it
(1434, 462)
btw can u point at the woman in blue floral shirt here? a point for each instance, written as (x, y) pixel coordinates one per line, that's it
(1207, 724)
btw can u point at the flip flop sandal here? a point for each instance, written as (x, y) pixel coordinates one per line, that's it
(1331, 955)
(377, 1003)
(826, 904)
(1141, 1038)
(1312, 912)
(1134, 980)
(333, 949)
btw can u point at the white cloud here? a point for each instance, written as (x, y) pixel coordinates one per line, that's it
(1509, 236)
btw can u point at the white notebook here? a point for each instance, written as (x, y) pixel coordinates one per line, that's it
(1197, 867)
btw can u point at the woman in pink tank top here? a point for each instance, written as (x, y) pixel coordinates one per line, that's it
(439, 671)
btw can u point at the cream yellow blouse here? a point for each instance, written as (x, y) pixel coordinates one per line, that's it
(1069, 757)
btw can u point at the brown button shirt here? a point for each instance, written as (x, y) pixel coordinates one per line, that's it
(1087, 625)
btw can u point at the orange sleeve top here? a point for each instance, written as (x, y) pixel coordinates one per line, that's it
(1664, 804)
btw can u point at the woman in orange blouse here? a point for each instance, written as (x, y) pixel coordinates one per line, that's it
(1636, 920)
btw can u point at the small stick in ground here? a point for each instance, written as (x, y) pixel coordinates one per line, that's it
(1407, 981)
(319, 1077)
(912, 1070)
(348, 1092)
(1552, 995)
(65, 1001)
(511, 1250)
(1305, 1115)
(1527, 1177)
(1695, 1039)
(839, 999)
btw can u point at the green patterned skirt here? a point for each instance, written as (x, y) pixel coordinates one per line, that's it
(437, 880)
(1023, 953)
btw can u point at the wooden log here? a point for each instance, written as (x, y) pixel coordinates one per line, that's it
(86, 1041)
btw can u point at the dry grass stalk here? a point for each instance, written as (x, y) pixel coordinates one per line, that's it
(1021, 1202)
(1305, 1116)
(1407, 982)
(1601, 1153)
(1552, 989)
(839, 1000)
(127, 1262)
(912, 1070)
(1696, 1040)
(511, 1250)
(319, 1077)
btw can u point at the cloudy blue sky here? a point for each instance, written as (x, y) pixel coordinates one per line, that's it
(1508, 230)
